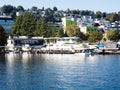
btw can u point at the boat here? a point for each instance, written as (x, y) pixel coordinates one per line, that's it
(64, 43)
(10, 48)
(26, 48)
(83, 52)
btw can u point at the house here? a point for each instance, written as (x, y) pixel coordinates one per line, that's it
(20, 12)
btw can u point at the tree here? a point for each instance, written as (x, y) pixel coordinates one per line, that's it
(68, 11)
(119, 15)
(41, 28)
(49, 12)
(17, 28)
(7, 9)
(55, 9)
(104, 14)
(28, 24)
(20, 8)
(13, 14)
(2, 36)
(91, 28)
(72, 30)
(51, 32)
(82, 36)
(98, 14)
(95, 36)
(24, 25)
(112, 17)
(113, 35)
(60, 32)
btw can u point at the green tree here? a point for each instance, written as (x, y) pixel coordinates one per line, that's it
(52, 30)
(28, 24)
(95, 36)
(112, 17)
(60, 32)
(16, 29)
(7, 9)
(20, 8)
(82, 36)
(41, 28)
(24, 25)
(70, 22)
(113, 35)
(72, 30)
(92, 29)
(98, 14)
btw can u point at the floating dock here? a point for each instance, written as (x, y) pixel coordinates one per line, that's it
(109, 51)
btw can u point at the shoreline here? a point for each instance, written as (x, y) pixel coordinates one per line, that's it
(106, 51)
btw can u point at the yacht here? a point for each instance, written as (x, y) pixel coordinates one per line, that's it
(64, 43)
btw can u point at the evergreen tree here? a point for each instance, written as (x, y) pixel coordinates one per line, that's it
(60, 32)
(41, 28)
(24, 25)
(28, 24)
(17, 28)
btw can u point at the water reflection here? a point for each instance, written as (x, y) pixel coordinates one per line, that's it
(64, 69)
(26, 57)
(10, 58)
(45, 71)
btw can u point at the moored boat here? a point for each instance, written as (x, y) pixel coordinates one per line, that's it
(83, 52)
(26, 48)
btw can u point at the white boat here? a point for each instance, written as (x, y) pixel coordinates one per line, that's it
(26, 48)
(64, 43)
(83, 52)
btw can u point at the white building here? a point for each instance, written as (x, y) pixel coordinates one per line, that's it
(19, 13)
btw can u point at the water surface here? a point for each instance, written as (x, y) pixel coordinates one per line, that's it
(59, 72)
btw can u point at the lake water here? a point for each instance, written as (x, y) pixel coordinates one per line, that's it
(59, 72)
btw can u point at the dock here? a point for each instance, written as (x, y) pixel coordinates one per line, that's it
(109, 51)
(104, 51)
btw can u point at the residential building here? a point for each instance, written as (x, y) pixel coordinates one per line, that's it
(20, 12)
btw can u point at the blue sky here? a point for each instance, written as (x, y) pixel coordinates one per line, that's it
(94, 5)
